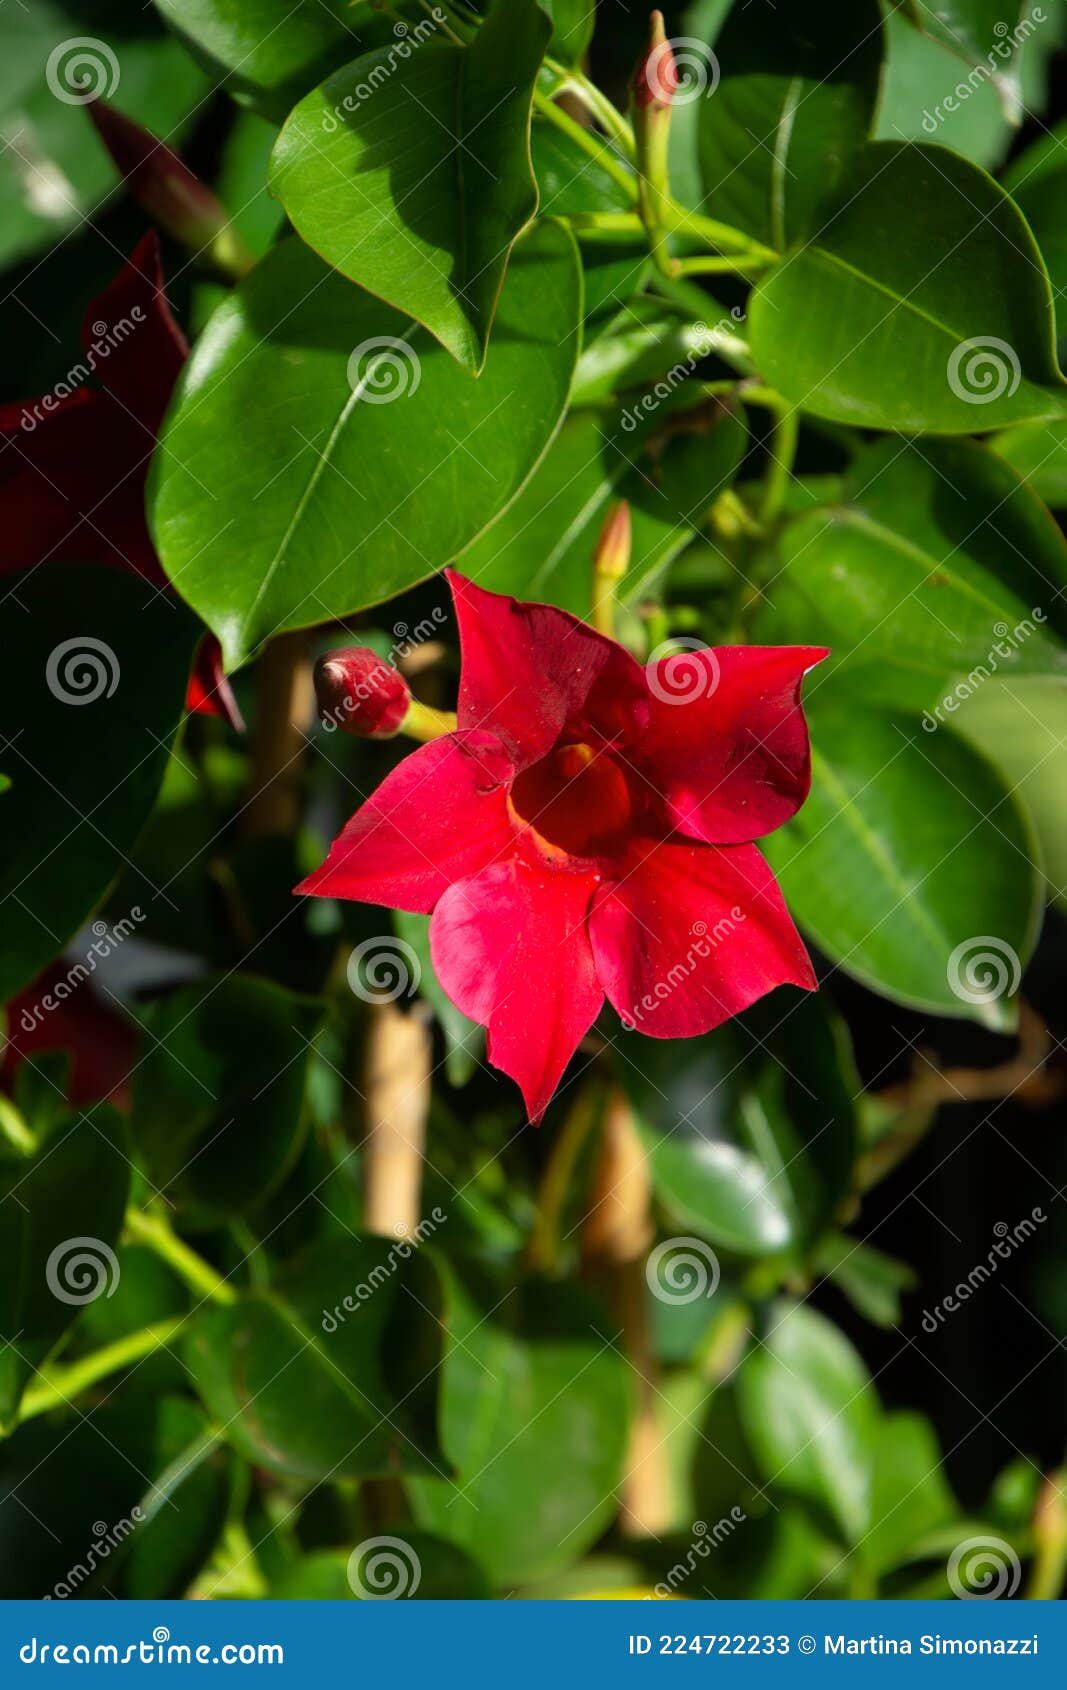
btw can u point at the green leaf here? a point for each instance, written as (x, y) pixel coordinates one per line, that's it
(910, 1495)
(89, 738)
(542, 547)
(412, 175)
(920, 99)
(871, 1280)
(287, 493)
(218, 1107)
(937, 567)
(535, 1417)
(1038, 452)
(573, 22)
(920, 303)
(910, 860)
(571, 184)
(54, 169)
(402, 1562)
(267, 58)
(978, 32)
(61, 1213)
(796, 94)
(811, 1415)
(1037, 181)
(329, 1372)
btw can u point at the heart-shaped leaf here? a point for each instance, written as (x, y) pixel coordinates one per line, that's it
(409, 170)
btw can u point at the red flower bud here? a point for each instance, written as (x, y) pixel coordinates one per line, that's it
(360, 693)
(656, 77)
(164, 186)
(612, 557)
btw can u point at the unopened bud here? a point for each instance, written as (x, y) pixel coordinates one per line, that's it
(612, 557)
(656, 77)
(164, 186)
(360, 693)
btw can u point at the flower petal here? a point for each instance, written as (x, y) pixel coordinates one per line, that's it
(692, 935)
(530, 669)
(209, 692)
(511, 948)
(137, 348)
(440, 815)
(728, 744)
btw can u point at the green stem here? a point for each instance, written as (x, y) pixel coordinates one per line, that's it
(589, 143)
(596, 103)
(782, 446)
(719, 265)
(14, 1128)
(682, 222)
(696, 303)
(55, 1386)
(156, 1232)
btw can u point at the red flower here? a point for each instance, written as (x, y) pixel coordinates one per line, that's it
(587, 830)
(73, 464)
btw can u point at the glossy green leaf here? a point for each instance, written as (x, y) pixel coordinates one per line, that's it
(981, 32)
(54, 169)
(938, 568)
(871, 1280)
(412, 176)
(542, 547)
(1022, 728)
(910, 862)
(921, 302)
(91, 693)
(796, 94)
(811, 1415)
(219, 1095)
(61, 1212)
(920, 98)
(329, 1372)
(573, 22)
(289, 492)
(1038, 452)
(910, 1495)
(535, 1416)
(267, 58)
(571, 184)
(1037, 181)
(410, 1564)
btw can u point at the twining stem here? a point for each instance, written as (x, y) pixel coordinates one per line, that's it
(155, 1231)
(399, 1056)
(58, 1385)
(615, 1237)
(286, 711)
(782, 449)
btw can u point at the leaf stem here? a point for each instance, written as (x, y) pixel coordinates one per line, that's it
(782, 448)
(155, 1231)
(595, 147)
(56, 1386)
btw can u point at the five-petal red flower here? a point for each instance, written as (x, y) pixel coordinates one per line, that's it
(73, 465)
(588, 830)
